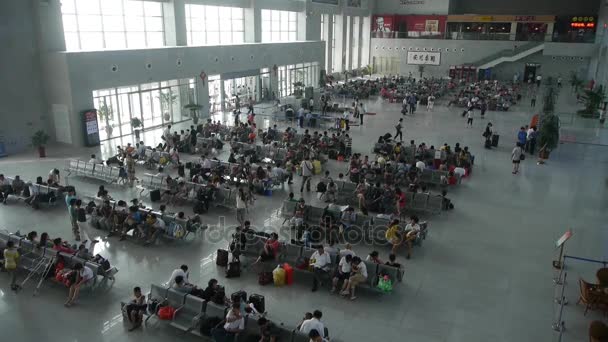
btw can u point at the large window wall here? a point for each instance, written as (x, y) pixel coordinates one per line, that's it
(305, 73)
(279, 26)
(112, 24)
(214, 25)
(155, 104)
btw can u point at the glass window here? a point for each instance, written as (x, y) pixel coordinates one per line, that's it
(113, 24)
(279, 26)
(214, 25)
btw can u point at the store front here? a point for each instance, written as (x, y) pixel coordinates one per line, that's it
(500, 27)
(575, 29)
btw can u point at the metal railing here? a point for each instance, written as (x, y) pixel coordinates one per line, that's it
(520, 37)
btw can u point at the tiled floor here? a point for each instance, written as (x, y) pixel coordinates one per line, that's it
(483, 273)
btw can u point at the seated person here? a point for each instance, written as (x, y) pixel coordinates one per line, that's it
(348, 218)
(132, 221)
(155, 227)
(270, 250)
(181, 285)
(18, 186)
(391, 261)
(342, 272)
(358, 276)
(298, 216)
(103, 193)
(268, 330)
(235, 323)
(5, 189)
(374, 257)
(84, 278)
(412, 230)
(321, 265)
(136, 308)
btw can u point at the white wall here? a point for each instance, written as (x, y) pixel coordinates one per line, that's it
(22, 98)
(412, 6)
(461, 52)
(88, 71)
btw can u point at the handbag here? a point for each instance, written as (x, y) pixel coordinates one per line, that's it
(522, 156)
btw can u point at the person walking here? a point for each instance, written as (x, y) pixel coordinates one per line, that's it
(516, 157)
(470, 117)
(11, 259)
(484, 107)
(73, 211)
(362, 112)
(532, 139)
(533, 101)
(241, 206)
(130, 169)
(307, 171)
(398, 128)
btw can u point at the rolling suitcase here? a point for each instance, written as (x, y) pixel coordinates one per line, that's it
(495, 140)
(222, 258)
(258, 302)
(155, 195)
(234, 270)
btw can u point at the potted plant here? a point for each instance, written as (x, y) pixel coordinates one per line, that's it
(167, 99)
(39, 140)
(593, 99)
(367, 70)
(136, 124)
(548, 137)
(106, 114)
(193, 108)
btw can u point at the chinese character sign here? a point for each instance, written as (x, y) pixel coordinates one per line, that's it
(423, 57)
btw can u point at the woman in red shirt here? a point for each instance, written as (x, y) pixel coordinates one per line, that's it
(270, 250)
(400, 196)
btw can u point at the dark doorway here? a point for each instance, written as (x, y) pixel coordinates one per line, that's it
(530, 72)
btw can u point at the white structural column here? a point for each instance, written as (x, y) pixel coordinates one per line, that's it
(340, 35)
(360, 39)
(329, 24)
(513, 31)
(253, 25)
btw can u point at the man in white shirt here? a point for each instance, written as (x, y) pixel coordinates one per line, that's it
(420, 165)
(343, 273)
(311, 104)
(235, 323)
(313, 324)
(307, 171)
(141, 150)
(348, 250)
(412, 230)
(181, 271)
(167, 134)
(156, 227)
(320, 261)
(539, 79)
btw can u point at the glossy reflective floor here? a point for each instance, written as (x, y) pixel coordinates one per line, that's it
(483, 274)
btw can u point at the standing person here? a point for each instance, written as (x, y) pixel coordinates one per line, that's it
(484, 107)
(237, 104)
(72, 210)
(522, 136)
(241, 206)
(532, 139)
(131, 169)
(362, 111)
(516, 155)
(301, 117)
(430, 103)
(398, 128)
(307, 171)
(559, 82)
(539, 80)
(488, 135)
(533, 100)
(470, 117)
(11, 259)
(311, 104)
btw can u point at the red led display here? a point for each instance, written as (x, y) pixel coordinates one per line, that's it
(582, 25)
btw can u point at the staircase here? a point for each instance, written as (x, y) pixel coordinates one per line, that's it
(510, 55)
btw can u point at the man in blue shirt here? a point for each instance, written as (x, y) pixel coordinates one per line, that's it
(522, 136)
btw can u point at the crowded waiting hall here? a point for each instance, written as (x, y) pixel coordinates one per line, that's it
(303, 170)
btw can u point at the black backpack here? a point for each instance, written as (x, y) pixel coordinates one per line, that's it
(233, 270)
(321, 187)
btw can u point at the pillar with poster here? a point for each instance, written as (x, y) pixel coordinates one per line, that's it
(90, 127)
